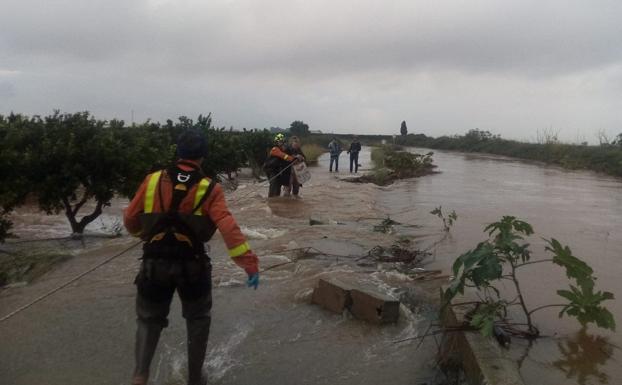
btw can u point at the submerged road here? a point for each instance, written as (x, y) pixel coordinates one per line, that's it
(84, 334)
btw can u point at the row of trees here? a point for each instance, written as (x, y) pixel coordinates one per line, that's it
(606, 158)
(62, 162)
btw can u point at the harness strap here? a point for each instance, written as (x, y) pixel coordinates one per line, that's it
(150, 193)
(203, 192)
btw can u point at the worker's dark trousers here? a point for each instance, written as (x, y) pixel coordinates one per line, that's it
(354, 161)
(335, 159)
(156, 283)
(275, 188)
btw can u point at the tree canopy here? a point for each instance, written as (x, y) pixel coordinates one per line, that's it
(72, 162)
(403, 128)
(299, 128)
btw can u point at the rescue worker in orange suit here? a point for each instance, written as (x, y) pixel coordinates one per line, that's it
(175, 211)
(277, 167)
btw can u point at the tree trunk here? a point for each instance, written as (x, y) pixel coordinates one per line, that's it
(77, 227)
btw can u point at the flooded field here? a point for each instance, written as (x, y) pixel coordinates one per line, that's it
(580, 209)
(84, 334)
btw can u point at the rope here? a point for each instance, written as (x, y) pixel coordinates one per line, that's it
(74, 279)
(108, 260)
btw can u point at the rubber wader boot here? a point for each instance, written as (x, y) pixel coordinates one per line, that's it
(198, 333)
(147, 336)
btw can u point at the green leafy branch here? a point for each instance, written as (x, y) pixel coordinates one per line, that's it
(448, 221)
(499, 257)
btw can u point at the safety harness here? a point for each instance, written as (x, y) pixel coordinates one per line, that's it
(170, 233)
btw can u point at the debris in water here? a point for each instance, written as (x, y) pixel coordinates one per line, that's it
(386, 226)
(397, 253)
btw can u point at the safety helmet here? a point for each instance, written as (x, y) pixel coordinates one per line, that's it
(279, 138)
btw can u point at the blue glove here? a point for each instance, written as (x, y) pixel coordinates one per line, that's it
(253, 280)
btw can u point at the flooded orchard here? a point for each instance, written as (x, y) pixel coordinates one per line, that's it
(85, 333)
(273, 335)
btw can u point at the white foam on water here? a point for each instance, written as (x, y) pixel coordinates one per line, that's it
(170, 364)
(106, 224)
(220, 358)
(276, 258)
(231, 282)
(394, 275)
(262, 233)
(304, 294)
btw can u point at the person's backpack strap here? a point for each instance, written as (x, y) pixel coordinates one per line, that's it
(210, 188)
(182, 182)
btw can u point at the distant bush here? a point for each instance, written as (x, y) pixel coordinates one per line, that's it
(313, 152)
(391, 164)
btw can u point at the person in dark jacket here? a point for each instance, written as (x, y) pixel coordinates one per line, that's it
(355, 148)
(294, 148)
(277, 167)
(335, 150)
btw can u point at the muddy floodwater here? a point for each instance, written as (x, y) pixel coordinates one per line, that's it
(581, 209)
(84, 333)
(274, 335)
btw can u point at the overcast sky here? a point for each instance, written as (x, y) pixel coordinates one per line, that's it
(511, 67)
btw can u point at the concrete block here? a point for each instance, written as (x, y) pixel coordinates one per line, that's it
(483, 360)
(332, 295)
(374, 307)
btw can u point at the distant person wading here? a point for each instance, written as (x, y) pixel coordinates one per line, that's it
(175, 211)
(277, 167)
(294, 148)
(334, 148)
(355, 148)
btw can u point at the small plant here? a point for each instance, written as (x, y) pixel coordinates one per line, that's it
(500, 257)
(386, 226)
(448, 220)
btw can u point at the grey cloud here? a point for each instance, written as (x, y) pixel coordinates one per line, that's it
(501, 65)
(7, 89)
(283, 36)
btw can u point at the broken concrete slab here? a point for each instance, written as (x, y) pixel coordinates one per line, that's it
(481, 358)
(364, 304)
(374, 307)
(332, 295)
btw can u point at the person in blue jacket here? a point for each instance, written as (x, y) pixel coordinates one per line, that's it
(335, 150)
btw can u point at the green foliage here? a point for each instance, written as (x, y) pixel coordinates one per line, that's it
(255, 147)
(584, 304)
(403, 164)
(486, 315)
(448, 221)
(299, 128)
(68, 159)
(312, 152)
(501, 255)
(65, 161)
(392, 163)
(606, 158)
(403, 128)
